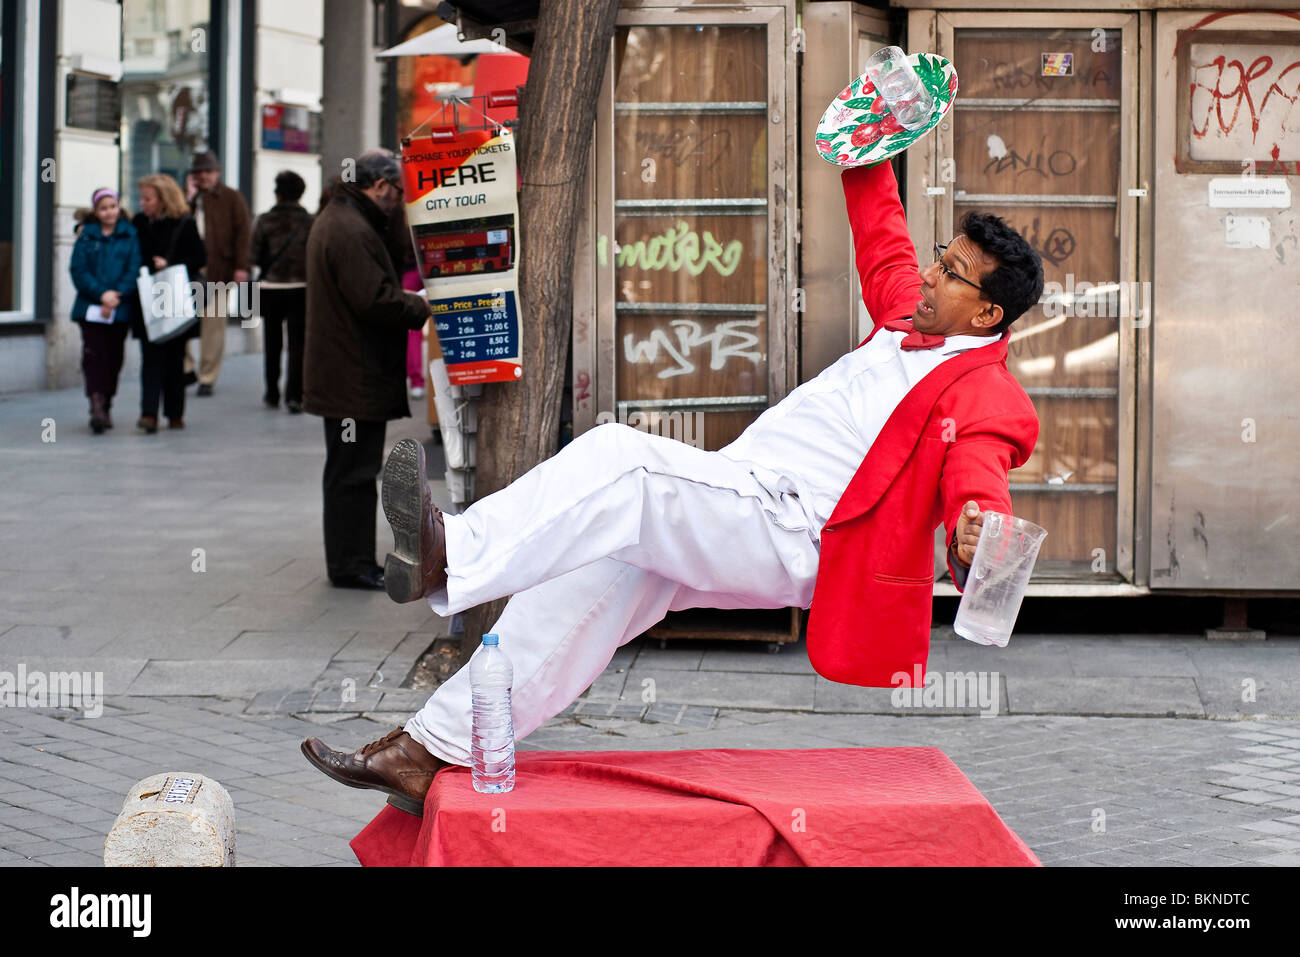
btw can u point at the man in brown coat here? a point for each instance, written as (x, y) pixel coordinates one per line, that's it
(354, 362)
(224, 222)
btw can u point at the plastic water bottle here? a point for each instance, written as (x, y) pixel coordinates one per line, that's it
(492, 744)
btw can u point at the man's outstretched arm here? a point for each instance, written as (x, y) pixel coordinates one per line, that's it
(882, 247)
(975, 469)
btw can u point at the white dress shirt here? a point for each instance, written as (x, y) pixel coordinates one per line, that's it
(811, 443)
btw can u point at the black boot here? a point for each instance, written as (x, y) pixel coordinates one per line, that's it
(98, 414)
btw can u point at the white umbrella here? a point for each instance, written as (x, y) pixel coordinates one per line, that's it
(444, 41)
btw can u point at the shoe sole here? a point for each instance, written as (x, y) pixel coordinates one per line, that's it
(400, 801)
(403, 499)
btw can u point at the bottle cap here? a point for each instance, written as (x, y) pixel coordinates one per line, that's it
(490, 639)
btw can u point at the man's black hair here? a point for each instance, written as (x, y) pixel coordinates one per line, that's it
(289, 186)
(1017, 283)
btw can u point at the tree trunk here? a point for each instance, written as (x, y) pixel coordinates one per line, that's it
(518, 423)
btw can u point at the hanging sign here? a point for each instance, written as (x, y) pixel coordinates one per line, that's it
(463, 210)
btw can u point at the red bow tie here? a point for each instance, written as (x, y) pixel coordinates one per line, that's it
(913, 339)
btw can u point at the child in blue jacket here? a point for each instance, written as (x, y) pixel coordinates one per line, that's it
(105, 261)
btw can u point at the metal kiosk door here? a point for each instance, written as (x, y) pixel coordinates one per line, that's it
(1225, 501)
(682, 319)
(1043, 134)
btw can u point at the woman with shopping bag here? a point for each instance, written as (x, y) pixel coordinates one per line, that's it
(168, 238)
(105, 259)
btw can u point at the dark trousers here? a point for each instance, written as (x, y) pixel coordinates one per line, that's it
(354, 455)
(162, 374)
(283, 307)
(102, 346)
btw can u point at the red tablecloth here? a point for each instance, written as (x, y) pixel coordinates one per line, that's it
(842, 806)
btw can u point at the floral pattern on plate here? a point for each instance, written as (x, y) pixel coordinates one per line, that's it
(858, 129)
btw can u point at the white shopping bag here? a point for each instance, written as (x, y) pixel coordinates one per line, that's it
(166, 301)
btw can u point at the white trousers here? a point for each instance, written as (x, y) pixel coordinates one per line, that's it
(596, 545)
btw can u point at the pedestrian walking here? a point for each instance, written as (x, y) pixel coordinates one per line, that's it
(224, 222)
(168, 237)
(358, 317)
(105, 259)
(280, 253)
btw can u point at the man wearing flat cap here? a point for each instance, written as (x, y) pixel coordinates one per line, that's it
(224, 223)
(354, 357)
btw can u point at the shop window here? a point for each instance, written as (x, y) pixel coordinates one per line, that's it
(166, 88)
(9, 222)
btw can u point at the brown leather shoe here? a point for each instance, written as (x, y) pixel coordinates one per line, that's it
(418, 563)
(396, 764)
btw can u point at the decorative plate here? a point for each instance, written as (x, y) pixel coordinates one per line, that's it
(858, 129)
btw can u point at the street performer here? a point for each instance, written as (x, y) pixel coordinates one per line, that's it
(828, 500)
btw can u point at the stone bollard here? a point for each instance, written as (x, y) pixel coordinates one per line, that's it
(173, 819)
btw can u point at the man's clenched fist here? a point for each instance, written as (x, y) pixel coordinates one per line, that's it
(969, 525)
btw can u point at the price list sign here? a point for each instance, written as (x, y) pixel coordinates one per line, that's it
(463, 210)
(479, 335)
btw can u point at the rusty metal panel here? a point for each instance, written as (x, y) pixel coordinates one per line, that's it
(1225, 499)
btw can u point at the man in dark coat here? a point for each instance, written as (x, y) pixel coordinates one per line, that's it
(224, 223)
(354, 364)
(280, 250)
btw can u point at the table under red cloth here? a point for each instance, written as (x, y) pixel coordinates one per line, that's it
(833, 806)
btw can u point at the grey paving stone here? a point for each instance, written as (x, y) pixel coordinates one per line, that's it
(1289, 859)
(614, 709)
(113, 674)
(370, 646)
(1268, 761)
(1275, 828)
(406, 702)
(1116, 696)
(680, 715)
(711, 688)
(310, 645)
(1250, 797)
(225, 677)
(146, 642)
(672, 658)
(1271, 694)
(1246, 782)
(1132, 659)
(402, 659)
(351, 701)
(792, 659)
(72, 858)
(1279, 657)
(966, 693)
(1266, 750)
(608, 686)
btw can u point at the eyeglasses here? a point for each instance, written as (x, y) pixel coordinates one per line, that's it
(943, 266)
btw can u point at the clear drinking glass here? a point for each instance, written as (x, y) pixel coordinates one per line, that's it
(1004, 560)
(904, 93)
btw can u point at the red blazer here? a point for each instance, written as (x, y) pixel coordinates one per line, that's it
(953, 438)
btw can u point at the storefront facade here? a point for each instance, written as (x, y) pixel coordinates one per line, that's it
(100, 93)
